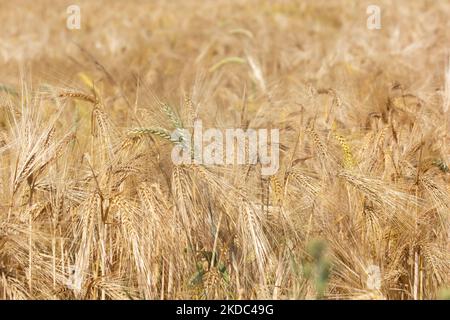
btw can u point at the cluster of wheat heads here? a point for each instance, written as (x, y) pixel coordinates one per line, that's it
(100, 212)
(92, 207)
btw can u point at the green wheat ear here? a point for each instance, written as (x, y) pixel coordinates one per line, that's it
(159, 132)
(164, 133)
(174, 119)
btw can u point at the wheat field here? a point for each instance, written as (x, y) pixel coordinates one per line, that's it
(93, 207)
